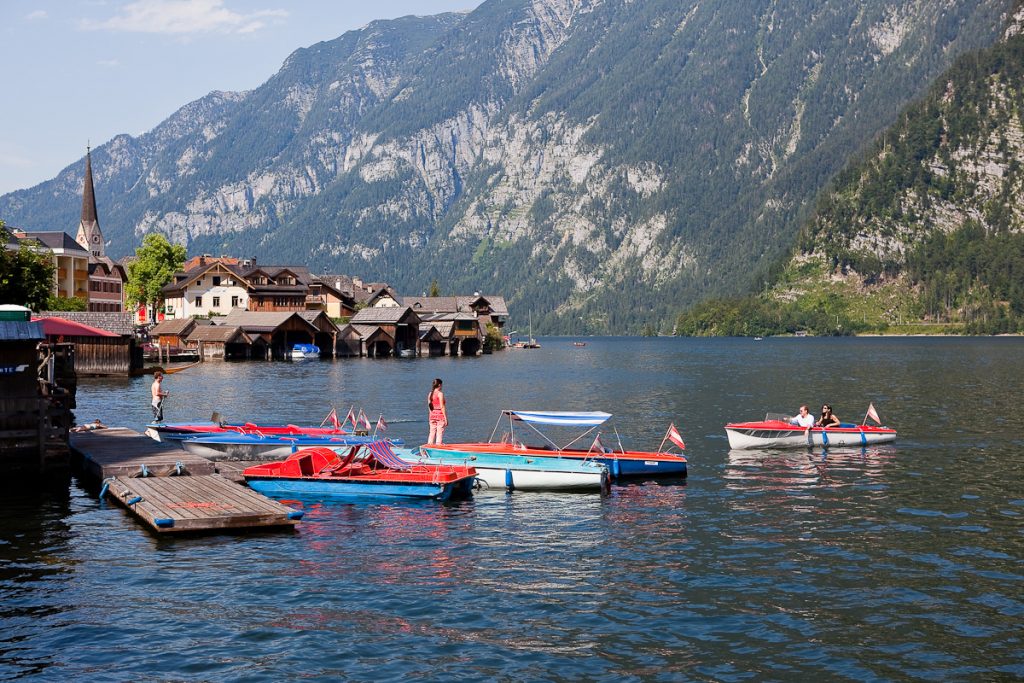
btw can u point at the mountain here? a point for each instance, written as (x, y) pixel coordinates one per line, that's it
(924, 231)
(602, 163)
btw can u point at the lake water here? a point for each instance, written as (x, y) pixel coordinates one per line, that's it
(902, 562)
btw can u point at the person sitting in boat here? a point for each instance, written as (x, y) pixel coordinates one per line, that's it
(803, 418)
(828, 418)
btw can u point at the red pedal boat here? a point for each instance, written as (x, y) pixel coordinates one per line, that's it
(363, 470)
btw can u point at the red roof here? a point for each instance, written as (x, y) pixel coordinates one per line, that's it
(59, 327)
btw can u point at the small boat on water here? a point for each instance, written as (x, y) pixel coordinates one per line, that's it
(162, 431)
(259, 446)
(775, 431)
(364, 470)
(579, 343)
(303, 351)
(522, 473)
(620, 463)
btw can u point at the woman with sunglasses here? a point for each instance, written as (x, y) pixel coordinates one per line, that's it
(828, 418)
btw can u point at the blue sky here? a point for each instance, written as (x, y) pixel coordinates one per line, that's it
(78, 71)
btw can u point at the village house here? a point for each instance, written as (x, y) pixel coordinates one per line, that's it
(214, 286)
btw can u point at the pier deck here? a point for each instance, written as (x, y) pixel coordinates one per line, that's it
(198, 503)
(180, 491)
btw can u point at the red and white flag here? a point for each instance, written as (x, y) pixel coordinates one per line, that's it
(333, 417)
(363, 420)
(873, 414)
(350, 418)
(598, 446)
(673, 435)
(382, 426)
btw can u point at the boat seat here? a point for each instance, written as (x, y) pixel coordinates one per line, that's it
(306, 465)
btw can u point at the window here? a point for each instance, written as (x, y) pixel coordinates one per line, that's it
(199, 301)
(216, 302)
(216, 280)
(234, 302)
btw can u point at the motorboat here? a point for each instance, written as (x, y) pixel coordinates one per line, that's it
(505, 472)
(620, 462)
(258, 446)
(775, 431)
(360, 470)
(303, 351)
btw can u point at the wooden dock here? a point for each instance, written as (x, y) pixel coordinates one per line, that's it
(171, 490)
(122, 452)
(198, 503)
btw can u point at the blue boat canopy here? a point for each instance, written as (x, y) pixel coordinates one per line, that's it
(560, 418)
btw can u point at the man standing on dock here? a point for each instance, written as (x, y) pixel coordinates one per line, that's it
(158, 396)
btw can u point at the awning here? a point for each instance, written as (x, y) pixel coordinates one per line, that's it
(561, 418)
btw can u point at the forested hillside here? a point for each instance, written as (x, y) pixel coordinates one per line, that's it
(603, 163)
(924, 233)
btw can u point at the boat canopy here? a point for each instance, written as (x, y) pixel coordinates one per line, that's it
(560, 418)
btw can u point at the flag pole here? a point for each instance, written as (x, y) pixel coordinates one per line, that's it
(664, 439)
(327, 418)
(865, 420)
(377, 424)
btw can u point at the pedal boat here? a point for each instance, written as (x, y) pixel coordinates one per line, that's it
(365, 470)
(620, 463)
(522, 473)
(775, 433)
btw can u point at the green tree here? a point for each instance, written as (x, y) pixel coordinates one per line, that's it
(434, 289)
(154, 266)
(26, 275)
(66, 303)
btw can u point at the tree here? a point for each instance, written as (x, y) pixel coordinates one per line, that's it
(154, 266)
(434, 289)
(67, 303)
(26, 275)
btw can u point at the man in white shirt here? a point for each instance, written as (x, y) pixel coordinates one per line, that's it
(804, 419)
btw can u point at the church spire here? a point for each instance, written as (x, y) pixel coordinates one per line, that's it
(88, 193)
(89, 235)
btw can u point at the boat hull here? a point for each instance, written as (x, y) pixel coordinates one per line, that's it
(342, 490)
(777, 434)
(622, 464)
(520, 473)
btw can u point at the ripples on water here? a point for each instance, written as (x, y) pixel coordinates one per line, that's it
(895, 562)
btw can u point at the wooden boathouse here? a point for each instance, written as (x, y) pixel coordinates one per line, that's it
(35, 410)
(105, 342)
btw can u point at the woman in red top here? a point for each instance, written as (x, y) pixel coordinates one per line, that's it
(438, 416)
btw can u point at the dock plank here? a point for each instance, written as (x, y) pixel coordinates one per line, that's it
(198, 503)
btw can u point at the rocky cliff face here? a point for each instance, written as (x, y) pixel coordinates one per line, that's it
(602, 162)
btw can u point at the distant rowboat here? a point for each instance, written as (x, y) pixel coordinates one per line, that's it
(780, 433)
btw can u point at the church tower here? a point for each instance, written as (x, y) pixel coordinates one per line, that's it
(89, 235)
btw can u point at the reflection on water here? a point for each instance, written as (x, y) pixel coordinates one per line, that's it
(894, 562)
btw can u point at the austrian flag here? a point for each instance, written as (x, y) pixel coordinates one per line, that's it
(674, 436)
(872, 413)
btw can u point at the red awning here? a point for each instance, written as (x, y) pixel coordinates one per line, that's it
(59, 327)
